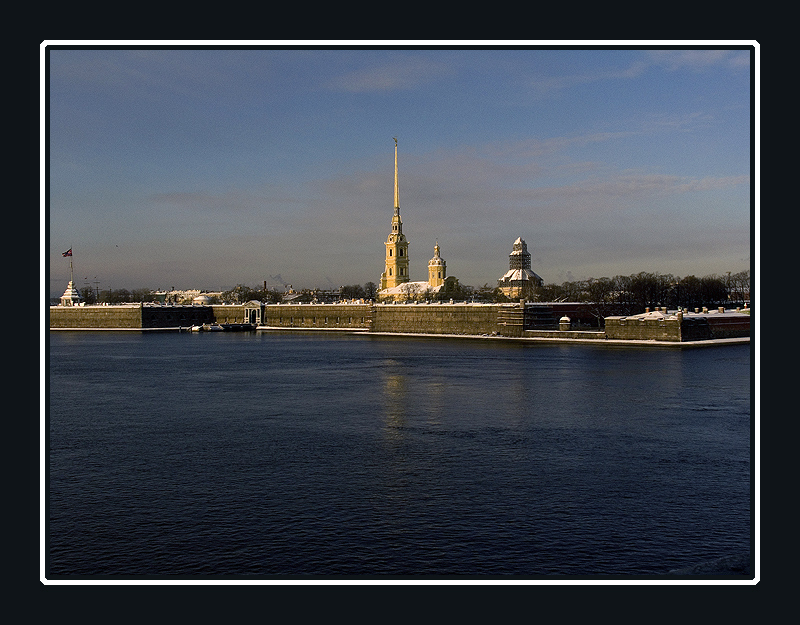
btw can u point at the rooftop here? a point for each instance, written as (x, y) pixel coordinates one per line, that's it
(672, 314)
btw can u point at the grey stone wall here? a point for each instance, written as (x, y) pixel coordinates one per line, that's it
(228, 313)
(725, 326)
(318, 316)
(439, 318)
(126, 316)
(689, 328)
(434, 318)
(129, 316)
(643, 329)
(176, 316)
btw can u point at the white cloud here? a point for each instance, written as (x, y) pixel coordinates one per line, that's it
(401, 73)
(553, 84)
(670, 60)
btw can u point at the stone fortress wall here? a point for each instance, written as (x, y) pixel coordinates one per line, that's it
(682, 326)
(317, 316)
(128, 317)
(505, 320)
(96, 317)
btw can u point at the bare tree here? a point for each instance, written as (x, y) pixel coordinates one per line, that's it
(739, 287)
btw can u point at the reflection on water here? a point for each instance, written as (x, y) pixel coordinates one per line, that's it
(436, 397)
(394, 400)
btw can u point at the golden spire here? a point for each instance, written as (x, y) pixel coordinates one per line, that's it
(396, 190)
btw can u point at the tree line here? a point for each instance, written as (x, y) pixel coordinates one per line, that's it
(239, 294)
(618, 295)
(115, 296)
(634, 293)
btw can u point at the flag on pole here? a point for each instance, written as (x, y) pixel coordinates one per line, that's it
(67, 253)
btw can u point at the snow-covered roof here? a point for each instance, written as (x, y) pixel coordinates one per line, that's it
(658, 314)
(520, 274)
(411, 287)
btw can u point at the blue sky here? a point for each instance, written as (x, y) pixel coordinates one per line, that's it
(207, 168)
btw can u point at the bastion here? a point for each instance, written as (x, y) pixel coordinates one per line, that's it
(129, 317)
(511, 320)
(680, 325)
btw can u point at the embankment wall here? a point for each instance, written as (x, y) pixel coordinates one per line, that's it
(397, 318)
(176, 316)
(725, 327)
(319, 316)
(437, 318)
(510, 320)
(227, 313)
(124, 316)
(643, 329)
(701, 327)
(129, 316)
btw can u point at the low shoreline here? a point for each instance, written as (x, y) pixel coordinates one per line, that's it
(526, 339)
(428, 335)
(175, 329)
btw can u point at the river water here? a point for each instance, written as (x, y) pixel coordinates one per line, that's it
(316, 456)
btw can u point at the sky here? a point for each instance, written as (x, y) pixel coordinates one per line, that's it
(206, 168)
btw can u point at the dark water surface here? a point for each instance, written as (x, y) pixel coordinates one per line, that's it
(259, 454)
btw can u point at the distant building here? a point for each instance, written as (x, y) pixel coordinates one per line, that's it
(395, 283)
(519, 280)
(437, 268)
(71, 296)
(396, 270)
(201, 300)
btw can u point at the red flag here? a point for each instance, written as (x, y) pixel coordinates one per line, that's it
(67, 253)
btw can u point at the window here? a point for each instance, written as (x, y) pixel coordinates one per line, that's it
(401, 251)
(390, 251)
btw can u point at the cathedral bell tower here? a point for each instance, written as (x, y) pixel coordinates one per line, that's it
(396, 271)
(437, 268)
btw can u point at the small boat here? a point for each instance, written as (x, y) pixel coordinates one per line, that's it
(196, 328)
(238, 327)
(212, 327)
